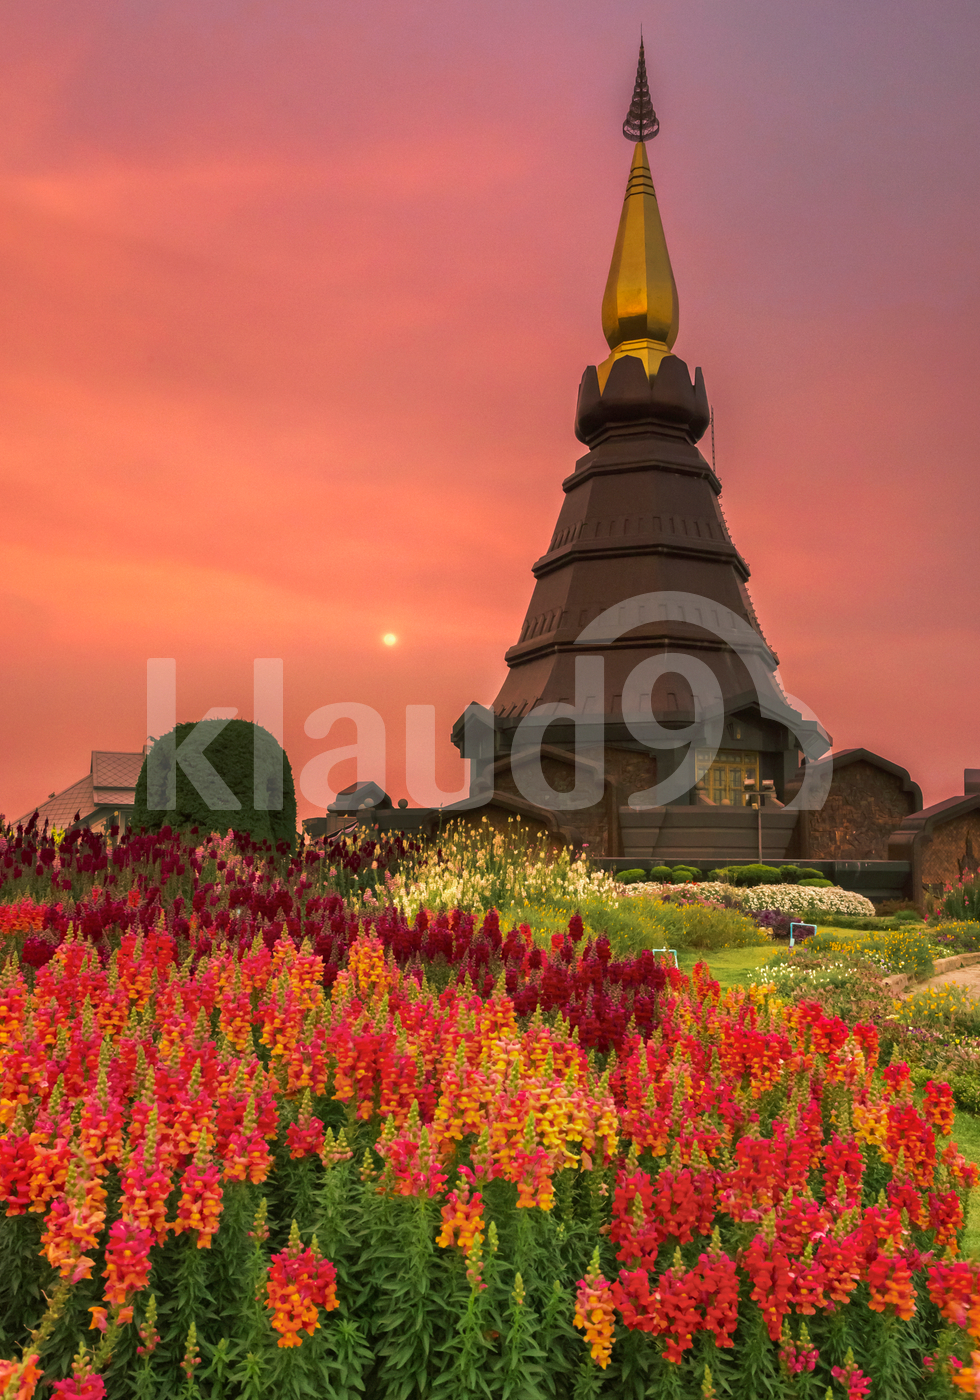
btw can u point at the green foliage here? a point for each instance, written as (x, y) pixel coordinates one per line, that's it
(867, 923)
(630, 924)
(706, 928)
(755, 874)
(662, 873)
(685, 875)
(413, 1287)
(818, 884)
(758, 874)
(758, 1375)
(632, 877)
(230, 750)
(345, 1362)
(966, 1091)
(522, 1364)
(936, 1033)
(946, 1007)
(636, 922)
(949, 1053)
(957, 937)
(23, 1274)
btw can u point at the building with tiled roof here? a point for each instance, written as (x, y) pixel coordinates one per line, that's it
(104, 797)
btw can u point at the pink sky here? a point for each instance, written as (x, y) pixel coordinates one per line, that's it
(295, 301)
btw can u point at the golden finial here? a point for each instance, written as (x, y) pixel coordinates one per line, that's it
(639, 308)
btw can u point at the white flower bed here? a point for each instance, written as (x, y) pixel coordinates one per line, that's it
(794, 899)
(790, 899)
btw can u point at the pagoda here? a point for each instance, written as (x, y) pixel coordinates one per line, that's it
(642, 717)
(642, 572)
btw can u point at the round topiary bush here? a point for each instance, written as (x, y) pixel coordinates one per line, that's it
(790, 874)
(685, 875)
(632, 877)
(818, 884)
(662, 874)
(204, 775)
(754, 875)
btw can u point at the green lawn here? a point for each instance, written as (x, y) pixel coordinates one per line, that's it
(966, 1135)
(733, 967)
(730, 967)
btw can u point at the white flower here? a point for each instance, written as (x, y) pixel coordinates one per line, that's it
(795, 899)
(789, 899)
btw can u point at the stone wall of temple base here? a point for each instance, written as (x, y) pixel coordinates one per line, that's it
(591, 824)
(953, 853)
(864, 807)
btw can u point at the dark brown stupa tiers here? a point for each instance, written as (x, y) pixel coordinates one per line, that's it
(641, 515)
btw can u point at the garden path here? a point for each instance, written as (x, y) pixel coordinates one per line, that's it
(966, 977)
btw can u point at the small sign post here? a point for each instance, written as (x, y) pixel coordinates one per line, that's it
(803, 930)
(667, 950)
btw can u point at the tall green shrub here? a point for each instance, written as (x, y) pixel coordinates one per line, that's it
(230, 747)
(708, 928)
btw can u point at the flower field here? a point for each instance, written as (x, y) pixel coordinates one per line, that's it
(481, 869)
(258, 1139)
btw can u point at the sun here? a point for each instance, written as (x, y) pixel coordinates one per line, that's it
(389, 639)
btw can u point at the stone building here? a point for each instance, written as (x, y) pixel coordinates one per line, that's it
(868, 798)
(942, 843)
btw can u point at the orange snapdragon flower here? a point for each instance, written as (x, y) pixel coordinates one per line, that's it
(594, 1312)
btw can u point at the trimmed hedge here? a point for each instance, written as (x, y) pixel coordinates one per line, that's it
(230, 750)
(756, 874)
(632, 877)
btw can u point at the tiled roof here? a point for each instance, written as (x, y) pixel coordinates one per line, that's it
(951, 807)
(113, 797)
(60, 809)
(115, 770)
(110, 782)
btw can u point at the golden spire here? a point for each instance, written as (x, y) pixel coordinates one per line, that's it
(639, 308)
